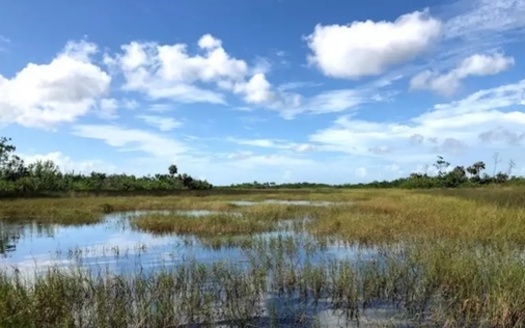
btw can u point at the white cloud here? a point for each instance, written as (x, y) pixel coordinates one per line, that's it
(302, 148)
(44, 95)
(274, 144)
(208, 42)
(337, 101)
(160, 122)
(240, 155)
(130, 104)
(297, 85)
(449, 128)
(481, 18)
(132, 140)
(257, 89)
(475, 65)
(169, 71)
(108, 108)
(369, 48)
(67, 164)
(265, 143)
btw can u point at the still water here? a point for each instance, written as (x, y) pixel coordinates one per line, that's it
(112, 245)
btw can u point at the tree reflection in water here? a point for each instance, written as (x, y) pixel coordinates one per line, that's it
(11, 234)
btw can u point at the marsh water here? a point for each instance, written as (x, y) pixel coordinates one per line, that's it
(113, 245)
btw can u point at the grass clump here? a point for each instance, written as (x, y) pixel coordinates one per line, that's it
(246, 220)
(209, 225)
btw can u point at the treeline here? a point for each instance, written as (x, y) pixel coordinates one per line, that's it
(446, 177)
(45, 176)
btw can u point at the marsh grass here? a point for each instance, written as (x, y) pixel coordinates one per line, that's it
(245, 220)
(434, 284)
(449, 258)
(209, 225)
(398, 215)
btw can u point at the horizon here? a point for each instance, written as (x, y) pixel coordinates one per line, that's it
(276, 91)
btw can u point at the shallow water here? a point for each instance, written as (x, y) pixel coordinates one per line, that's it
(114, 246)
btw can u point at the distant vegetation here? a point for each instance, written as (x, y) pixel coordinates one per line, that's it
(19, 178)
(446, 177)
(43, 176)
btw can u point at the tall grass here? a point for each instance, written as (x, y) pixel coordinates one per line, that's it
(449, 258)
(398, 215)
(439, 284)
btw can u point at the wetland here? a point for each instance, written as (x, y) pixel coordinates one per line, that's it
(371, 258)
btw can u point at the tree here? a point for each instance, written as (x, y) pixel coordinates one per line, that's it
(11, 166)
(441, 165)
(475, 170)
(173, 170)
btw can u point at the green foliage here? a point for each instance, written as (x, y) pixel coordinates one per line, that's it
(459, 176)
(16, 178)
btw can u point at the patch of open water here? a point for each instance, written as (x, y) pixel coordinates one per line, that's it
(113, 245)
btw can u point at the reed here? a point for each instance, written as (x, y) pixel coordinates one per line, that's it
(433, 284)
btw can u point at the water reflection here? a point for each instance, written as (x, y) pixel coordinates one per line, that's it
(11, 234)
(112, 245)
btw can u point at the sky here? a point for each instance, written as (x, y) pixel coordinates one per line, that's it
(331, 91)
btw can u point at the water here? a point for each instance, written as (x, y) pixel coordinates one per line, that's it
(114, 246)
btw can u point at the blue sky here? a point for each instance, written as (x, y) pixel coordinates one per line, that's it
(277, 90)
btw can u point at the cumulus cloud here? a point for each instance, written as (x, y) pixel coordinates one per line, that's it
(369, 48)
(475, 65)
(45, 95)
(172, 72)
